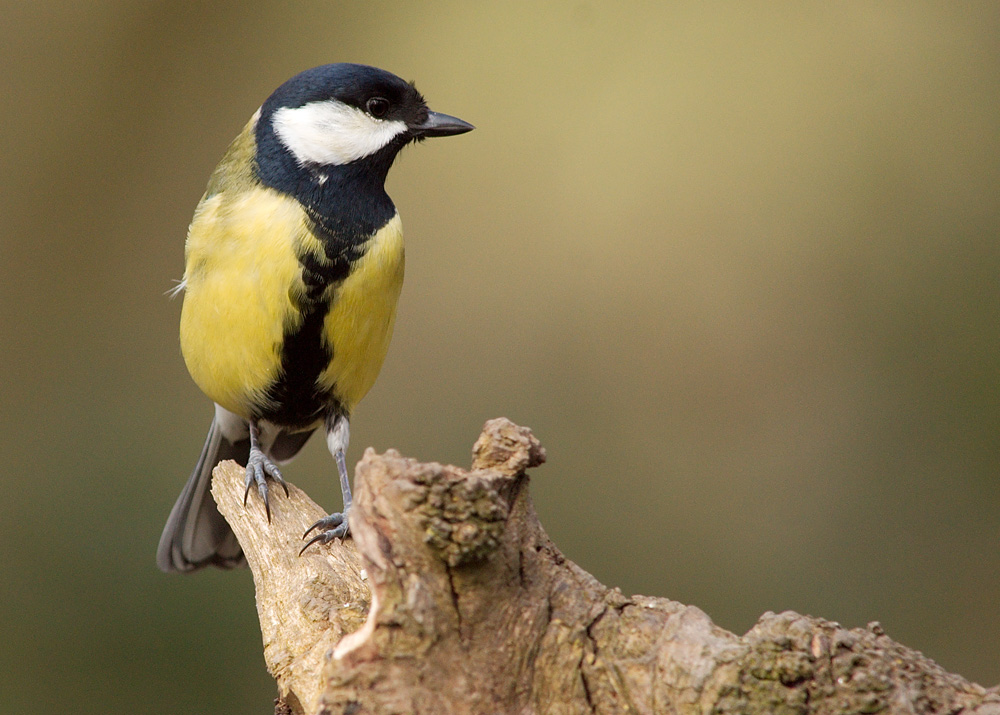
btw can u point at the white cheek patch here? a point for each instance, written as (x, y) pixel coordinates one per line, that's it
(332, 133)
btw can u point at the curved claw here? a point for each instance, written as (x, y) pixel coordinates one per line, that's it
(328, 522)
(258, 470)
(333, 526)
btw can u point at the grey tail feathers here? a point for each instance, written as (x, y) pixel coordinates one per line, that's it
(196, 535)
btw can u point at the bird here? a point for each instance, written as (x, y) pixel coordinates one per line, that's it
(293, 267)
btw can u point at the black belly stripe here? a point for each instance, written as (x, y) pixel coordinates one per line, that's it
(296, 399)
(345, 206)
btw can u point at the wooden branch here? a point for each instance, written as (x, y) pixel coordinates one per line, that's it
(451, 599)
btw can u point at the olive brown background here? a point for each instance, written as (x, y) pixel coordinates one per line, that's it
(736, 264)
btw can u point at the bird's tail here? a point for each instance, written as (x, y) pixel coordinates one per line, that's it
(196, 535)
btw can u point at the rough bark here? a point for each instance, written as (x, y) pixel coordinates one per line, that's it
(451, 599)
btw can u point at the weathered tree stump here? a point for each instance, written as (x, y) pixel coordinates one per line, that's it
(451, 599)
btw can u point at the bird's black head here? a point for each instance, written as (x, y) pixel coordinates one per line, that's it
(342, 125)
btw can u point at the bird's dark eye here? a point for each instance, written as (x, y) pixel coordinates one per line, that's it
(378, 107)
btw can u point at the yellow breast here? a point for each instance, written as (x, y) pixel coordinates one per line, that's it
(242, 281)
(359, 324)
(241, 269)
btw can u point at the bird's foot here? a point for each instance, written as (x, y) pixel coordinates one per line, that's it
(333, 526)
(259, 470)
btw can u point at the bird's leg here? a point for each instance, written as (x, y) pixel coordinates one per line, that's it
(334, 526)
(259, 469)
(345, 484)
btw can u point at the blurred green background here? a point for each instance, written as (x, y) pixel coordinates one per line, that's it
(736, 264)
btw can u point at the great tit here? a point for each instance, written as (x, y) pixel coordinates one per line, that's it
(293, 265)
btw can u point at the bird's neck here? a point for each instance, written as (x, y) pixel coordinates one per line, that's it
(347, 202)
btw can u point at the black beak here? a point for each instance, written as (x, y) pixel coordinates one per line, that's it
(440, 125)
